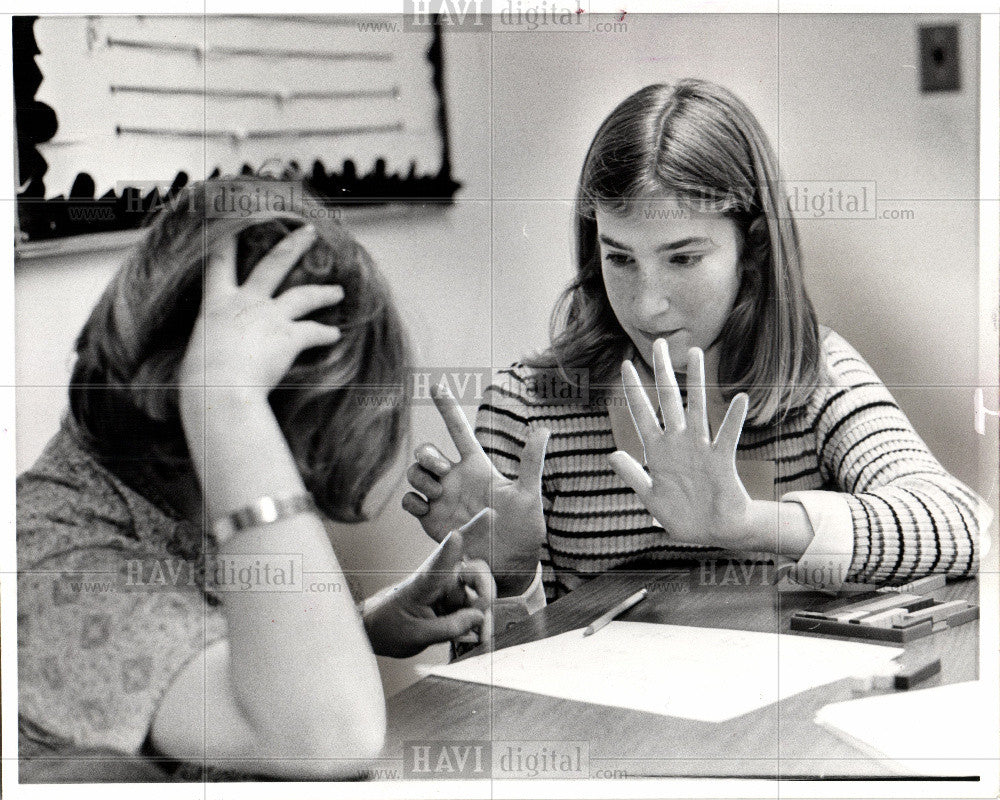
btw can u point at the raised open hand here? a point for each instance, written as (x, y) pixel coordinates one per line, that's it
(692, 488)
(451, 493)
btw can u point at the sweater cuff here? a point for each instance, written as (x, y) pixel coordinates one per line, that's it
(508, 611)
(826, 560)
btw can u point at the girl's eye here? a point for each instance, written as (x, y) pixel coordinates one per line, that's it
(687, 259)
(618, 259)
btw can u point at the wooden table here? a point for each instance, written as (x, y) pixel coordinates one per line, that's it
(780, 740)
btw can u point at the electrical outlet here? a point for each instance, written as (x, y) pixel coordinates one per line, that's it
(939, 70)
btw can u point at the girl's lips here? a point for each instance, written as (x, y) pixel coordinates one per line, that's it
(661, 335)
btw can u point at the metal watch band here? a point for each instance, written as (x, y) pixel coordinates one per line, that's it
(264, 511)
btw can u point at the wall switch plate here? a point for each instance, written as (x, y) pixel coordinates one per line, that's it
(939, 70)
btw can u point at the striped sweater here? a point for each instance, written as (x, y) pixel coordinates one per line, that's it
(882, 508)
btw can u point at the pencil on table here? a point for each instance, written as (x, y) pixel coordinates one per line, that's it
(621, 608)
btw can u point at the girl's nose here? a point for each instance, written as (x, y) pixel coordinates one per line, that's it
(654, 298)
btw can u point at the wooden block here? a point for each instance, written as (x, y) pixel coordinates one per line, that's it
(812, 614)
(882, 603)
(882, 677)
(909, 677)
(916, 631)
(970, 614)
(885, 619)
(924, 602)
(938, 611)
(906, 623)
(852, 631)
(952, 609)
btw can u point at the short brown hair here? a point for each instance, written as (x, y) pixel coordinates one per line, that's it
(123, 390)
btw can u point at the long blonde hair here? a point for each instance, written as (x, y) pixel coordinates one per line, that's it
(698, 142)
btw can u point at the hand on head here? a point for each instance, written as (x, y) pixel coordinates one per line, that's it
(245, 338)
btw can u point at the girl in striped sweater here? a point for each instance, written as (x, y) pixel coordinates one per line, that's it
(688, 262)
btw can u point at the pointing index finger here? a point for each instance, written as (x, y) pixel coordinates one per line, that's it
(455, 420)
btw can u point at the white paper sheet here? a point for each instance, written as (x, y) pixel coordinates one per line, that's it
(705, 674)
(941, 731)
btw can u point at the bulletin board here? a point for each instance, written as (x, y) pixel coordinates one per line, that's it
(115, 113)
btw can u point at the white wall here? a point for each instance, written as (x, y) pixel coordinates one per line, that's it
(840, 100)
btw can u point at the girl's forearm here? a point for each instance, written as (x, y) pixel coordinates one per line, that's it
(237, 447)
(300, 661)
(780, 528)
